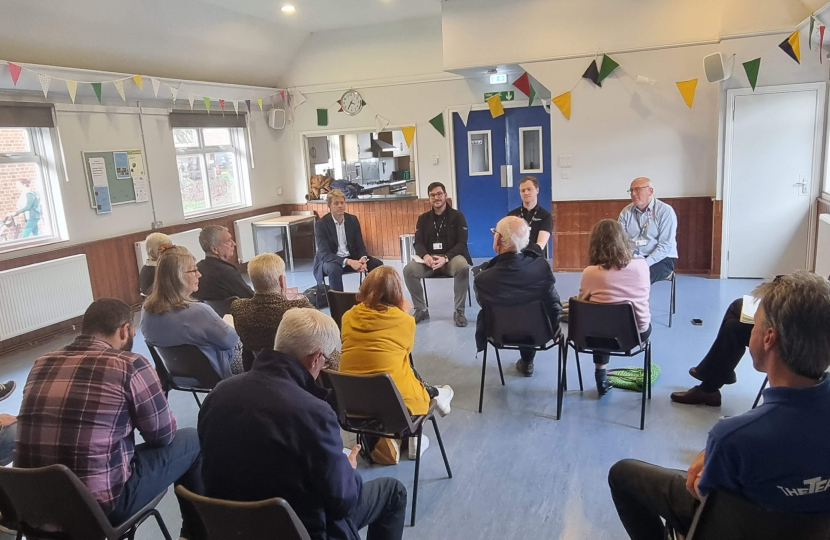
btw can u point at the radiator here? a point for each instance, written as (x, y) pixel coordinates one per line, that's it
(38, 295)
(245, 237)
(188, 239)
(823, 246)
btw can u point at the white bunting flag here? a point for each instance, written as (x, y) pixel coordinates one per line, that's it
(44, 83)
(546, 105)
(119, 85)
(175, 93)
(381, 122)
(297, 97)
(191, 98)
(156, 85)
(72, 86)
(235, 107)
(642, 79)
(465, 114)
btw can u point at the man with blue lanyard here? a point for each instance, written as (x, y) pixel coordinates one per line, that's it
(651, 225)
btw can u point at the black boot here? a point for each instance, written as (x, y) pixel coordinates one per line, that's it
(603, 384)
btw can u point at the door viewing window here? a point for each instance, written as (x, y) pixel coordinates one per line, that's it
(530, 149)
(480, 153)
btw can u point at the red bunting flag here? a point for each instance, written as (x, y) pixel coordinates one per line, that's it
(222, 105)
(15, 70)
(820, 42)
(523, 84)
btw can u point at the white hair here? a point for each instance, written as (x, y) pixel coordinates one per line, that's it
(265, 271)
(305, 331)
(514, 232)
(153, 242)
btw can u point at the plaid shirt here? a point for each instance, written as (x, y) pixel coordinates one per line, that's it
(81, 405)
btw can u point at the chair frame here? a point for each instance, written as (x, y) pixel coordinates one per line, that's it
(346, 271)
(162, 367)
(672, 297)
(332, 293)
(760, 392)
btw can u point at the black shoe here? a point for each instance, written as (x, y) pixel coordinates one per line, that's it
(421, 315)
(603, 384)
(525, 368)
(6, 389)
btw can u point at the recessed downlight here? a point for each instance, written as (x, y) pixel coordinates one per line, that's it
(288, 8)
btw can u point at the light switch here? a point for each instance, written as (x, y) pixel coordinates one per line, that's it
(279, 191)
(566, 175)
(565, 160)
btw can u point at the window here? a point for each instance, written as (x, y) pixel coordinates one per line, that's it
(480, 152)
(212, 169)
(530, 149)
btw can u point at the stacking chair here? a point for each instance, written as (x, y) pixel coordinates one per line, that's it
(346, 271)
(760, 392)
(184, 368)
(340, 303)
(304, 230)
(673, 279)
(518, 327)
(371, 405)
(221, 307)
(608, 329)
(231, 520)
(426, 297)
(52, 498)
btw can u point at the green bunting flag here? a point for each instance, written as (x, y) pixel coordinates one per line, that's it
(322, 117)
(438, 123)
(751, 69)
(207, 104)
(812, 26)
(532, 96)
(97, 87)
(608, 66)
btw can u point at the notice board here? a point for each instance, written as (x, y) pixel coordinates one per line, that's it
(123, 169)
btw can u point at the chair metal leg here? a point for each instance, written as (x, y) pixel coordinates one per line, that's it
(199, 403)
(498, 360)
(760, 392)
(411, 361)
(417, 472)
(162, 525)
(645, 384)
(674, 294)
(563, 358)
(648, 352)
(483, 371)
(579, 371)
(441, 446)
(426, 296)
(565, 369)
(671, 300)
(469, 296)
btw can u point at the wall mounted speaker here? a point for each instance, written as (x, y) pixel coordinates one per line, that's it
(276, 118)
(716, 68)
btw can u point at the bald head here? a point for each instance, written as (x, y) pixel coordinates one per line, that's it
(512, 235)
(642, 192)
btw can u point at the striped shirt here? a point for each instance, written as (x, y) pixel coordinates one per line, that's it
(81, 405)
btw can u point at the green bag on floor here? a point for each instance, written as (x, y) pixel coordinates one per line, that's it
(631, 378)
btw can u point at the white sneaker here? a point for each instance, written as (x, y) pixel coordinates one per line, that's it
(413, 446)
(443, 400)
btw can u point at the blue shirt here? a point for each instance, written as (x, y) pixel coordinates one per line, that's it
(652, 232)
(777, 454)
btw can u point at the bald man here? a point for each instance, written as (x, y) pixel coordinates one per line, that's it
(651, 226)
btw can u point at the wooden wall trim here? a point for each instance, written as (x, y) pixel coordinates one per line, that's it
(717, 238)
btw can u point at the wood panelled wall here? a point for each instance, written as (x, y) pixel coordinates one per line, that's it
(573, 221)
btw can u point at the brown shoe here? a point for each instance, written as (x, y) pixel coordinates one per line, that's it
(697, 396)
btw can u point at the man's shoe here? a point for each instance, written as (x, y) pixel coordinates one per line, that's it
(697, 396)
(6, 389)
(421, 315)
(413, 446)
(444, 399)
(525, 368)
(732, 379)
(603, 384)
(460, 319)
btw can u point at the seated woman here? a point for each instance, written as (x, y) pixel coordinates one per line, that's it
(171, 317)
(378, 335)
(154, 242)
(615, 276)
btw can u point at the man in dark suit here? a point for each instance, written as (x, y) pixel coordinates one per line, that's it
(340, 247)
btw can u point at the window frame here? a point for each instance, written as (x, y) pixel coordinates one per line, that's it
(489, 170)
(541, 168)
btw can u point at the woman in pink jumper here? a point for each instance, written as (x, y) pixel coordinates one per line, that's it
(615, 276)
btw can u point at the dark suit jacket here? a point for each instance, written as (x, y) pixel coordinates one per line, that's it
(455, 230)
(326, 237)
(220, 280)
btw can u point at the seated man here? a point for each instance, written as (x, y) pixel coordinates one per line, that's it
(537, 217)
(515, 276)
(271, 433)
(651, 225)
(220, 278)
(340, 244)
(441, 242)
(774, 455)
(82, 405)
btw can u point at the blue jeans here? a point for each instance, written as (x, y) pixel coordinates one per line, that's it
(154, 468)
(30, 228)
(7, 435)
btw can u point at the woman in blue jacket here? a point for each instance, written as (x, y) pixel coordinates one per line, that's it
(29, 205)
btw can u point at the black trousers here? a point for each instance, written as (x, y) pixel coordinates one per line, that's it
(335, 272)
(718, 366)
(644, 493)
(661, 269)
(605, 358)
(382, 508)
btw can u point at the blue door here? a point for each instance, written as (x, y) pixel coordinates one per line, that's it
(521, 139)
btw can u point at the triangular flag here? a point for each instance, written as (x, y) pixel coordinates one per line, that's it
(299, 98)
(563, 103)
(608, 65)
(751, 69)
(592, 73)
(438, 123)
(523, 84)
(235, 107)
(820, 42)
(532, 96)
(119, 85)
(248, 103)
(191, 98)
(259, 102)
(322, 117)
(96, 86)
(408, 134)
(642, 79)
(792, 46)
(138, 81)
(812, 26)
(496, 108)
(546, 105)
(15, 70)
(156, 85)
(282, 94)
(380, 123)
(207, 104)
(72, 86)
(339, 102)
(44, 83)
(222, 105)
(175, 93)
(687, 90)
(464, 114)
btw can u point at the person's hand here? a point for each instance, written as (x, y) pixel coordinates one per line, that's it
(439, 262)
(364, 264)
(693, 474)
(428, 260)
(7, 419)
(353, 456)
(355, 265)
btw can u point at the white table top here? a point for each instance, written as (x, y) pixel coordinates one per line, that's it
(282, 221)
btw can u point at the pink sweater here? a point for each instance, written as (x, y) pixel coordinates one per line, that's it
(632, 284)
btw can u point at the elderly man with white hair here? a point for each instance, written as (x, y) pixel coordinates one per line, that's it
(270, 433)
(154, 242)
(515, 276)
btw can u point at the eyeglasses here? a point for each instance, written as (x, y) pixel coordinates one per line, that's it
(637, 189)
(436, 195)
(194, 271)
(493, 231)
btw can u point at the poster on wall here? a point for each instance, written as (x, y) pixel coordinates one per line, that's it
(122, 165)
(136, 163)
(142, 192)
(98, 170)
(103, 205)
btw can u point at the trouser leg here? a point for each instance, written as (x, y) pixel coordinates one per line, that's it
(413, 273)
(528, 355)
(335, 273)
(661, 269)
(7, 436)
(458, 268)
(372, 263)
(718, 366)
(383, 508)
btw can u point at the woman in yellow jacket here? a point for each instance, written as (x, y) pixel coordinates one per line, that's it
(378, 335)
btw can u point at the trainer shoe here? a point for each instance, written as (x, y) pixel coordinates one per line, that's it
(525, 368)
(6, 389)
(421, 315)
(459, 319)
(442, 402)
(413, 446)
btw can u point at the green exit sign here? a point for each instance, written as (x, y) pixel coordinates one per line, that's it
(507, 95)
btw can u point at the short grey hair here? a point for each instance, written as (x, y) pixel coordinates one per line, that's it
(797, 307)
(154, 241)
(265, 270)
(305, 331)
(209, 236)
(514, 232)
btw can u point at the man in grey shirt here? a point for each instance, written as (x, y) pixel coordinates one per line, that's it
(651, 226)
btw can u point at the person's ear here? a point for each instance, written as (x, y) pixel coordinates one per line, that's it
(124, 332)
(283, 284)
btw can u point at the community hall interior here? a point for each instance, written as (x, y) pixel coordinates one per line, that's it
(235, 128)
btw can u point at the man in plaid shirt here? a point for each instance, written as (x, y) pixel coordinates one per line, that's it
(81, 406)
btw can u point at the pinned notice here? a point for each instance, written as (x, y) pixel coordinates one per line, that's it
(98, 168)
(142, 192)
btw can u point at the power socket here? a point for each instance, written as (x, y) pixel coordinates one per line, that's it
(157, 225)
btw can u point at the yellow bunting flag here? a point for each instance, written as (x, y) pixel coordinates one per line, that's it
(259, 101)
(138, 82)
(496, 108)
(563, 101)
(792, 46)
(687, 90)
(408, 134)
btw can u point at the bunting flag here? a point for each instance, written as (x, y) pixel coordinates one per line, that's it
(592, 73)
(235, 107)
(322, 117)
(687, 90)
(438, 123)
(282, 94)
(546, 105)
(119, 85)
(248, 103)
(408, 134)
(812, 26)
(792, 46)
(138, 81)
(751, 69)
(44, 83)
(96, 86)
(820, 42)
(642, 79)
(156, 85)
(496, 108)
(259, 102)
(563, 103)
(380, 123)
(608, 66)
(175, 93)
(191, 98)
(222, 105)
(207, 104)
(532, 96)
(72, 86)
(464, 114)
(299, 98)
(15, 70)
(523, 84)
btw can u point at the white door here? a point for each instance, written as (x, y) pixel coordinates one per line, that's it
(769, 180)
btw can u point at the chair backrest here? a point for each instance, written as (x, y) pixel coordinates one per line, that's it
(525, 324)
(221, 307)
(231, 520)
(369, 403)
(725, 514)
(340, 303)
(54, 499)
(603, 327)
(185, 366)
(302, 212)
